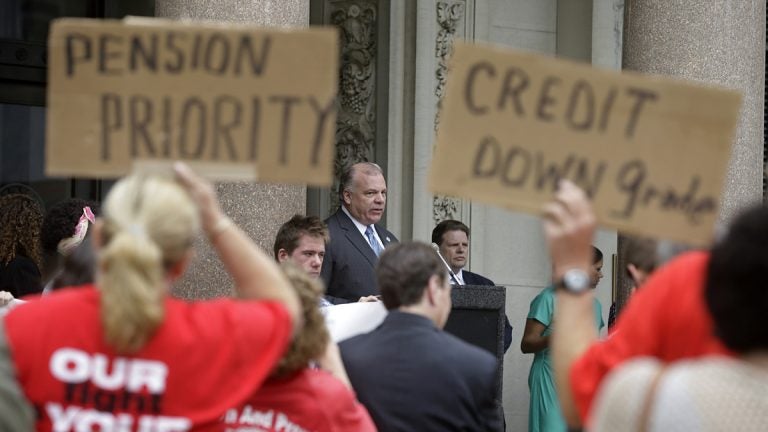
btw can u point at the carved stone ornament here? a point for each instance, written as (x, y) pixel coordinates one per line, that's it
(445, 207)
(356, 121)
(449, 15)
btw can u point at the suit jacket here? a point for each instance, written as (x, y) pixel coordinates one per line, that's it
(413, 376)
(349, 260)
(475, 279)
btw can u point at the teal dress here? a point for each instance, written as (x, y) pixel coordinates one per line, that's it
(544, 411)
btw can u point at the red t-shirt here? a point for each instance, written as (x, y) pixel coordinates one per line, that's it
(667, 318)
(204, 358)
(309, 400)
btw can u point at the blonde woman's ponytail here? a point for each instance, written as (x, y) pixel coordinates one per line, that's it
(149, 225)
(131, 300)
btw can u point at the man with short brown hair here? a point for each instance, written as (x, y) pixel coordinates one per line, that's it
(408, 372)
(302, 240)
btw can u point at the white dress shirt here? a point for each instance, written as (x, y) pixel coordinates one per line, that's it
(362, 228)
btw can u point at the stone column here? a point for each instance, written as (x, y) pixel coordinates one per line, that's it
(259, 209)
(720, 43)
(714, 42)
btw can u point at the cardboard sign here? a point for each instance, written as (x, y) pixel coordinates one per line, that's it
(232, 99)
(651, 152)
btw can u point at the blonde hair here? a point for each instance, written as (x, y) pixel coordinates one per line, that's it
(310, 342)
(149, 225)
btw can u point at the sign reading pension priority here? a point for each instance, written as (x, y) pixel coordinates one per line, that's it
(651, 152)
(234, 100)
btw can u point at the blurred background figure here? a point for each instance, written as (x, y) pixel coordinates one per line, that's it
(66, 253)
(306, 397)
(65, 226)
(20, 256)
(642, 258)
(78, 267)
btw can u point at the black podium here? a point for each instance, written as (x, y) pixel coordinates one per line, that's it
(478, 317)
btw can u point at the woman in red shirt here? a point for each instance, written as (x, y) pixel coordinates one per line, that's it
(122, 354)
(298, 396)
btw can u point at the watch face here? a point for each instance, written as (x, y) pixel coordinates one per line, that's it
(576, 280)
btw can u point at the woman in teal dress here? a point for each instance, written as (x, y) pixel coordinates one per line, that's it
(544, 411)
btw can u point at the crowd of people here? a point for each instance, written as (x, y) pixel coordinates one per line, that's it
(92, 339)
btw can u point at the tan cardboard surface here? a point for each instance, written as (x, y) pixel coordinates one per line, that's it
(652, 152)
(232, 99)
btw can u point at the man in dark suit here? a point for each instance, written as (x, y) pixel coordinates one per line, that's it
(356, 240)
(452, 237)
(408, 372)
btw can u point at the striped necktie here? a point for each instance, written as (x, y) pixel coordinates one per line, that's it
(372, 240)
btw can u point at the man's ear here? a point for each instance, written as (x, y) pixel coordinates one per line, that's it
(347, 196)
(635, 274)
(433, 284)
(282, 255)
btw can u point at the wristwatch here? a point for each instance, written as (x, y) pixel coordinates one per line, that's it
(574, 281)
